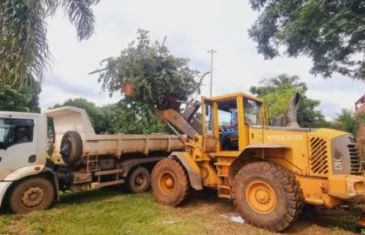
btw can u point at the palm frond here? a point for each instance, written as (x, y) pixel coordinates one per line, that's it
(23, 41)
(81, 14)
(23, 35)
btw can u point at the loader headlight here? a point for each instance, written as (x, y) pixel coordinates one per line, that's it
(359, 187)
(351, 189)
(355, 188)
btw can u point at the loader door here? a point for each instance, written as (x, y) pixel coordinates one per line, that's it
(228, 124)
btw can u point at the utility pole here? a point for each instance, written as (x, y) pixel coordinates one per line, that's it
(211, 70)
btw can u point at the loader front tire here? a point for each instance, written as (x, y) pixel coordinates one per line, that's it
(267, 196)
(169, 183)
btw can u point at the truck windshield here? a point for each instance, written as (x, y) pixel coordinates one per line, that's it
(13, 131)
(4, 132)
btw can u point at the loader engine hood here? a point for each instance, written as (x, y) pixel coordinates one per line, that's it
(335, 152)
(345, 156)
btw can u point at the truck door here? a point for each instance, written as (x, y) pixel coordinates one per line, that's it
(18, 146)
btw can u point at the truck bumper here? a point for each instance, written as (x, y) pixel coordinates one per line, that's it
(346, 187)
(3, 189)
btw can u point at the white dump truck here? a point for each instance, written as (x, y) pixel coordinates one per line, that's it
(30, 180)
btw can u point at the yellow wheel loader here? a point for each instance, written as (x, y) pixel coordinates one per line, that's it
(269, 172)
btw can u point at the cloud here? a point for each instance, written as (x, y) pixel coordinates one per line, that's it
(192, 28)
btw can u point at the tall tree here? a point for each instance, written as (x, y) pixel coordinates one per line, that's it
(345, 121)
(152, 71)
(276, 93)
(331, 33)
(23, 40)
(25, 100)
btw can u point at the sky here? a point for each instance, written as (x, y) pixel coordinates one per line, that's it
(192, 28)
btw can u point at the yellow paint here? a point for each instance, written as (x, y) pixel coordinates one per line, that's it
(167, 183)
(261, 197)
(289, 148)
(209, 174)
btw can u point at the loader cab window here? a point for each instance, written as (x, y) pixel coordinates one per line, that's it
(209, 118)
(15, 131)
(228, 124)
(252, 112)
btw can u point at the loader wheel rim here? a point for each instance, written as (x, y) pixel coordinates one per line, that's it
(167, 183)
(33, 197)
(261, 197)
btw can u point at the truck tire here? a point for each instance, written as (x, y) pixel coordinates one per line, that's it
(169, 182)
(267, 196)
(139, 180)
(71, 148)
(31, 195)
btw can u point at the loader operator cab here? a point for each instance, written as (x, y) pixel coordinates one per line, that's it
(234, 114)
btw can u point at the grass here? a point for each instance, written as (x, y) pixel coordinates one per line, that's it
(110, 211)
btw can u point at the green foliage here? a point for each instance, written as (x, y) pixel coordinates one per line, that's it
(331, 33)
(132, 118)
(152, 70)
(25, 100)
(345, 121)
(123, 117)
(348, 121)
(23, 35)
(277, 91)
(277, 101)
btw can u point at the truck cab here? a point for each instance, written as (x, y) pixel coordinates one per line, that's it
(23, 154)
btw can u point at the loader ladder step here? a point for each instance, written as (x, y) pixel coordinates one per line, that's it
(224, 186)
(99, 185)
(109, 172)
(225, 196)
(222, 164)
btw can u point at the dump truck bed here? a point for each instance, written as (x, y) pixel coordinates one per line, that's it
(70, 118)
(120, 144)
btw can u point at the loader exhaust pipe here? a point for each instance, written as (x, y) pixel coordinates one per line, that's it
(292, 111)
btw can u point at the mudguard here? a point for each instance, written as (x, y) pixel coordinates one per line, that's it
(24, 172)
(191, 167)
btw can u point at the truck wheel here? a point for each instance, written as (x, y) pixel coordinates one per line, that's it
(71, 148)
(139, 180)
(169, 182)
(31, 195)
(267, 195)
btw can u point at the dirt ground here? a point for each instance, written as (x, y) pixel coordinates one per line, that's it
(110, 211)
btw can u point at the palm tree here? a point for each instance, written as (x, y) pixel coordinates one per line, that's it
(286, 81)
(346, 121)
(23, 40)
(282, 81)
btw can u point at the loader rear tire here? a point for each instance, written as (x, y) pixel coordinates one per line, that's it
(169, 183)
(267, 196)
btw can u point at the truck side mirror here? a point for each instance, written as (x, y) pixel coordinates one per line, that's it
(3, 146)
